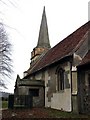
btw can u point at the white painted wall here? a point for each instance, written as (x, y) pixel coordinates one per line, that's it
(62, 101)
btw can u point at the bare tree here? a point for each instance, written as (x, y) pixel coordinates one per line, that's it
(5, 46)
(9, 2)
(5, 56)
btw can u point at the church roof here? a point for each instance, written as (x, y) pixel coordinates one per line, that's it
(43, 39)
(86, 59)
(64, 48)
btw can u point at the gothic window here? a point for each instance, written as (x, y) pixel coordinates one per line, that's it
(60, 78)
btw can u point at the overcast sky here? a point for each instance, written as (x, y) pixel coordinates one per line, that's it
(23, 18)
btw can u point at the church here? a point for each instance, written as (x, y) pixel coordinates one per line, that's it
(58, 77)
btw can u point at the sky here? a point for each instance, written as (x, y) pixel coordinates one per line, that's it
(22, 20)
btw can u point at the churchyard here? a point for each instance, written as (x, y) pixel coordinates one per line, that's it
(39, 113)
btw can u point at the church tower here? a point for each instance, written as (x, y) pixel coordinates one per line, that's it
(43, 44)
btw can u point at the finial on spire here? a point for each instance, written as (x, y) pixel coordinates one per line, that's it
(44, 8)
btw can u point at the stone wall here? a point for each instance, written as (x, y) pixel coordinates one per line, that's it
(23, 90)
(83, 89)
(77, 58)
(38, 76)
(62, 99)
(50, 85)
(53, 97)
(37, 101)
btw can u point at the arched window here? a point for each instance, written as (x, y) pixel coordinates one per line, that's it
(60, 78)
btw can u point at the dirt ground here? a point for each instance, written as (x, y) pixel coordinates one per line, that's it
(29, 114)
(25, 113)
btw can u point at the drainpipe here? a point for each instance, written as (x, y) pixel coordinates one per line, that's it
(71, 84)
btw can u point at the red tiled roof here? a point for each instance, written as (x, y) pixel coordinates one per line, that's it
(64, 48)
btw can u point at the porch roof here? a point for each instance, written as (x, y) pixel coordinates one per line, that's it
(28, 82)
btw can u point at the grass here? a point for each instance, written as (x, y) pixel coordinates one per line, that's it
(4, 104)
(46, 112)
(53, 113)
(62, 114)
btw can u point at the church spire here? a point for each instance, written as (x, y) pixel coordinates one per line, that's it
(43, 44)
(43, 39)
